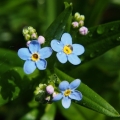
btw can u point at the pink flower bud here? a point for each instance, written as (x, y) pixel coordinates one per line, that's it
(54, 94)
(41, 39)
(28, 42)
(50, 89)
(34, 36)
(47, 98)
(75, 24)
(83, 30)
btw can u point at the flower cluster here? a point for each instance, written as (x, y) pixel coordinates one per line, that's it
(35, 57)
(47, 93)
(44, 93)
(29, 33)
(78, 21)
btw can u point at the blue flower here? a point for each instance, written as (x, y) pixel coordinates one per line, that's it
(68, 92)
(34, 56)
(66, 50)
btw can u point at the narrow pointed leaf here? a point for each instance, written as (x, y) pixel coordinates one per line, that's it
(31, 115)
(90, 99)
(49, 113)
(56, 29)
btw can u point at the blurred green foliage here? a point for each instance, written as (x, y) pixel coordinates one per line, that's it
(101, 74)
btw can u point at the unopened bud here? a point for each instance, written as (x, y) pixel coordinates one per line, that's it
(28, 42)
(27, 37)
(83, 30)
(76, 16)
(31, 30)
(50, 89)
(54, 94)
(82, 17)
(81, 22)
(34, 36)
(41, 39)
(75, 24)
(42, 86)
(47, 98)
(25, 31)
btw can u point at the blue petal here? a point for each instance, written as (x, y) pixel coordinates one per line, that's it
(57, 97)
(24, 53)
(64, 85)
(74, 84)
(66, 102)
(66, 39)
(41, 64)
(45, 52)
(76, 95)
(78, 49)
(57, 45)
(29, 67)
(34, 46)
(74, 59)
(62, 57)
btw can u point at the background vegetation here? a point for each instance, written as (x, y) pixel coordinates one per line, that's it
(101, 74)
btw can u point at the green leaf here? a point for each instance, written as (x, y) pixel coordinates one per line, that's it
(11, 83)
(57, 28)
(8, 59)
(79, 113)
(11, 5)
(49, 112)
(90, 98)
(96, 6)
(31, 115)
(99, 40)
(3, 101)
(10, 87)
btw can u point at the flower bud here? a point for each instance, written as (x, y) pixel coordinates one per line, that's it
(75, 24)
(82, 17)
(31, 30)
(42, 86)
(83, 30)
(77, 16)
(54, 94)
(50, 89)
(27, 37)
(25, 31)
(28, 42)
(34, 36)
(81, 22)
(41, 39)
(47, 98)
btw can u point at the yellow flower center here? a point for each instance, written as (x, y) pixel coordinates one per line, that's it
(35, 57)
(67, 49)
(67, 92)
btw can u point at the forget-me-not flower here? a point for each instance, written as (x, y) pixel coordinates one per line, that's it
(34, 56)
(66, 50)
(68, 92)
